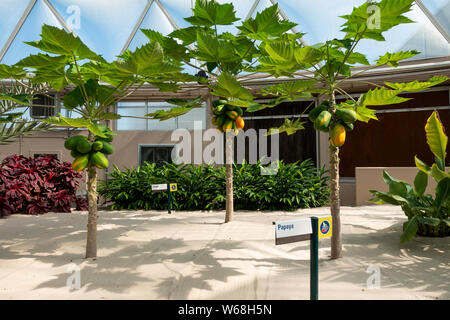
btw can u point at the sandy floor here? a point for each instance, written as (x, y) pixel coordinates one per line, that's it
(193, 255)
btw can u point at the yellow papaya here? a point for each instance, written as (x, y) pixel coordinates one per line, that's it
(322, 121)
(80, 163)
(232, 115)
(228, 125)
(337, 135)
(240, 123)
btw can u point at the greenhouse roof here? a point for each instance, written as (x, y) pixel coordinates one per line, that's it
(109, 27)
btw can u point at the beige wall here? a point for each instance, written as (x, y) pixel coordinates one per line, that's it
(372, 179)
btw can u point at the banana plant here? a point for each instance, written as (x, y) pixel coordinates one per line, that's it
(426, 215)
(329, 67)
(94, 86)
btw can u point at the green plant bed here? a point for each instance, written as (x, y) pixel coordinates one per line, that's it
(294, 186)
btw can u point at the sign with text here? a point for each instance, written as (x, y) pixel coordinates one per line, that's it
(325, 227)
(292, 231)
(159, 187)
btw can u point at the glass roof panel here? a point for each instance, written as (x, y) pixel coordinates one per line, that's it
(112, 21)
(11, 11)
(30, 31)
(441, 11)
(155, 20)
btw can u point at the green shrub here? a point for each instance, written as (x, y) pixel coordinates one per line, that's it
(296, 185)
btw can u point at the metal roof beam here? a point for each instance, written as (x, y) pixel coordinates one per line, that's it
(17, 29)
(433, 20)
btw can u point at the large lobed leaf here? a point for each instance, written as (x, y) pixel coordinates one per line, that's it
(228, 86)
(209, 12)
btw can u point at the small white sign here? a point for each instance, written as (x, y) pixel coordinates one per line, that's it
(159, 187)
(291, 228)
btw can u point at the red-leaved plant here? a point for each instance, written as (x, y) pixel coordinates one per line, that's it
(37, 186)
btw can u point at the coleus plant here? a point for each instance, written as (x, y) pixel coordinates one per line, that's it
(37, 186)
(94, 86)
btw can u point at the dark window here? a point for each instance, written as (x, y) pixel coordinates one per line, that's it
(155, 154)
(40, 112)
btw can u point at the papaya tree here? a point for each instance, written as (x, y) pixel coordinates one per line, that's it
(226, 60)
(93, 87)
(330, 66)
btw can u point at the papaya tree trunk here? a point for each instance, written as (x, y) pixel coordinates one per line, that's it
(229, 172)
(335, 202)
(91, 243)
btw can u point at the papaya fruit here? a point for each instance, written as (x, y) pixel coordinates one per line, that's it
(314, 113)
(109, 138)
(230, 107)
(107, 148)
(347, 126)
(239, 111)
(346, 115)
(228, 125)
(214, 121)
(337, 135)
(232, 115)
(240, 123)
(99, 160)
(219, 102)
(220, 120)
(71, 143)
(80, 163)
(219, 110)
(97, 145)
(75, 154)
(322, 121)
(84, 146)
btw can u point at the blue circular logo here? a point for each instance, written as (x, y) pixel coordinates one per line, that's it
(324, 227)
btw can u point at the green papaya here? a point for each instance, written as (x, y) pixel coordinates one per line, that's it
(109, 138)
(71, 143)
(219, 102)
(99, 160)
(232, 115)
(314, 113)
(346, 115)
(107, 148)
(80, 163)
(97, 145)
(239, 111)
(84, 146)
(219, 110)
(347, 126)
(220, 120)
(75, 154)
(322, 121)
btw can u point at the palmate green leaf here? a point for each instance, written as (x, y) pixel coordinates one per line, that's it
(171, 47)
(148, 55)
(307, 55)
(58, 41)
(12, 72)
(393, 59)
(436, 138)
(209, 12)
(410, 230)
(187, 35)
(40, 60)
(276, 68)
(21, 99)
(260, 106)
(382, 96)
(184, 106)
(56, 78)
(75, 123)
(229, 87)
(280, 51)
(266, 24)
(208, 46)
(417, 86)
(362, 18)
(292, 90)
(290, 127)
(363, 113)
